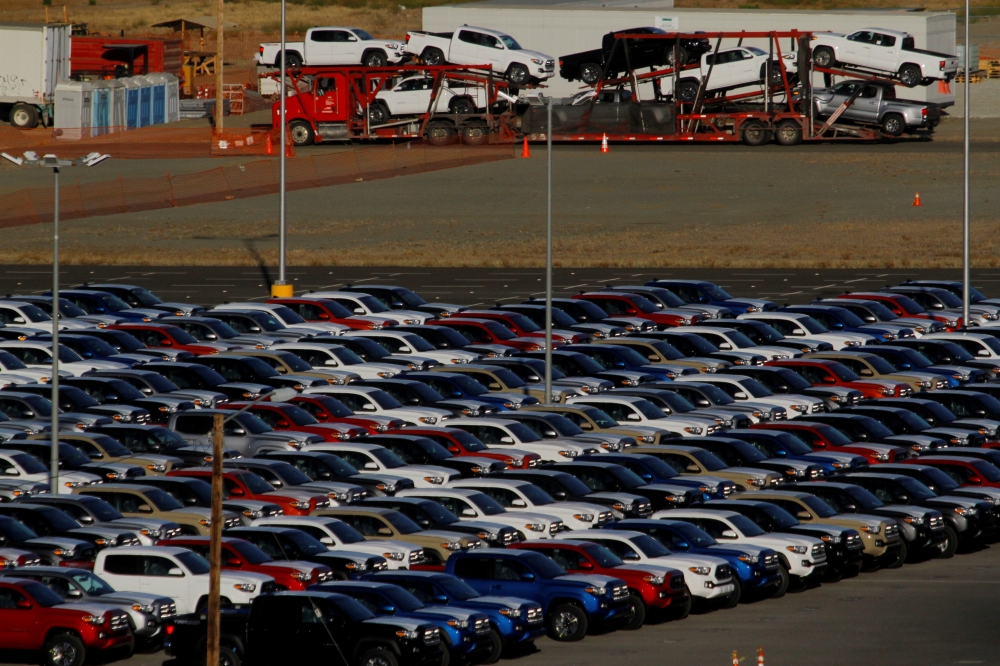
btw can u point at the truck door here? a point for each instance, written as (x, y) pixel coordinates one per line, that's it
(745, 67)
(319, 47)
(721, 65)
(17, 620)
(491, 51)
(856, 48)
(883, 53)
(326, 102)
(465, 49)
(412, 95)
(344, 48)
(320, 622)
(867, 104)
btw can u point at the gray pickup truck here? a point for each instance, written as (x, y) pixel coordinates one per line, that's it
(877, 105)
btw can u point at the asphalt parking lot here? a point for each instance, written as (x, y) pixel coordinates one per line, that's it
(936, 613)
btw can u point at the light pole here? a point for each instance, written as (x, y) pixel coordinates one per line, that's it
(548, 262)
(281, 288)
(965, 180)
(31, 159)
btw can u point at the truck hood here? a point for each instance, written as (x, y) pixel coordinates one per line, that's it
(489, 602)
(398, 621)
(231, 578)
(590, 580)
(418, 472)
(129, 598)
(200, 398)
(451, 612)
(298, 565)
(59, 542)
(778, 542)
(684, 560)
(92, 607)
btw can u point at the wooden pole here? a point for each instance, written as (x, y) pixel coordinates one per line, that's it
(218, 84)
(46, 14)
(215, 546)
(65, 14)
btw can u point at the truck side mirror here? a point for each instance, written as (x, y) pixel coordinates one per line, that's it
(384, 531)
(24, 604)
(177, 572)
(631, 556)
(506, 440)
(693, 468)
(865, 372)
(233, 562)
(440, 599)
(725, 345)
(327, 541)
(729, 534)
(75, 594)
(518, 503)
(236, 492)
(586, 566)
(144, 508)
(371, 465)
(527, 576)
(804, 515)
(387, 610)
(633, 417)
(469, 513)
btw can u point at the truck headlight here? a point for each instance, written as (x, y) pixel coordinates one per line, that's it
(701, 571)
(245, 587)
(871, 529)
(653, 580)
(757, 482)
(694, 430)
(393, 556)
(436, 480)
(408, 634)
(300, 505)
(647, 439)
(801, 408)
(915, 520)
(143, 608)
(965, 511)
(597, 591)
(569, 454)
(458, 624)
(304, 577)
(800, 550)
(158, 467)
(535, 527)
(537, 61)
(584, 517)
(751, 559)
(453, 545)
(429, 420)
(93, 619)
(511, 612)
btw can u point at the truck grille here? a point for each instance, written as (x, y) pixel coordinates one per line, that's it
(936, 522)
(167, 610)
(644, 509)
(605, 517)
(905, 393)
(853, 542)
(417, 556)
(379, 566)
(432, 636)
(771, 562)
(142, 418)
(270, 587)
(510, 537)
(534, 462)
(119, 622)
(130, 541)
(357, 497)
(819, 553)
(892, 530)
(232, 522)
(550, 65)
(723, 573)
(172, 533)
(481, 626)
(677, 582)
(324, 576)
(555, 527)
(534, 615)
(619, 592)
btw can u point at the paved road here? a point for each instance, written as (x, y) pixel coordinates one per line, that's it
(936, 613)
(472, 286)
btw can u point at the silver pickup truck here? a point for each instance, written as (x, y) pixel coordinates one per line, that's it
(876, 105)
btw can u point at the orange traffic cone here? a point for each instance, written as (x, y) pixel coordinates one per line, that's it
(916, 200)
(736, 659)
(524, 149)
(760, 656)
(269, 149)
(604, 143)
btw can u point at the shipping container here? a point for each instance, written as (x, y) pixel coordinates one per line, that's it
(107, 57)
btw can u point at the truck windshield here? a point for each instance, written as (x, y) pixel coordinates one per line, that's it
(456, 588)
(43, 595)
(362, 35)
(249, 552)
(486, 504)
(28, 464)
(34, 313)
(987, 469)
(195, 563)
(604, 557)
(344, 532)
(649, 546)
(402, 524)
(510, 42)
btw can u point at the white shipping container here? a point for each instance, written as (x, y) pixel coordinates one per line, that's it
(34, 59)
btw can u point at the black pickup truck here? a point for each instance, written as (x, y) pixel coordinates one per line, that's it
(589, 65)
(312, 627)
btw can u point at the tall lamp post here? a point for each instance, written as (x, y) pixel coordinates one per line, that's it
(281, 288)
(53, 162)
(966, 232)
(548, 261)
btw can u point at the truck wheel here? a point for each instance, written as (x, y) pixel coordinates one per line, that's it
(292, 60)
(910, 76)
(518, 74)
(682, 55)
(63, 650)
(637, 616)
(433, 56)
(375, 58)
(441, 134)
(462, 105)
(684, 609)
(823, 57)
(302, 133)
(897, 561)
(733, 597)
(24, 116)
(378, 657)
(228, 656)
(590, 73)
(783, 585)
(755, 133)
(475, 134)
(566, 623)
(775, 73)
(378, 114)
(788, 133)
(686, 91)
(893, 124)
(496, 649)
(949, 545)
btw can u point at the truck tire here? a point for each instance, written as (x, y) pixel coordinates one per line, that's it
(733, 597)
(374, 58)
(378, 657)
(228, 656)
(788, 133)
(518, 74)
(302, 133)
(566, 623)
(755, 133)
(23, 116)
(497, 648)
(63, 650)
(378, 113)
(682, 55)
(433, 56)
(462, 105)
(590, 73)
(783, 585)
(893, 124)
(441, 134)
(292, 60)
(638, 614)
(823, 57)
(950, 545)
(901, 554)
(684, 609)
(910, 76)
(775, 73)
(686, 91)
(476, 133)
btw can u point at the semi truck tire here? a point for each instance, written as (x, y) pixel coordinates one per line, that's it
(302, 133)
(23, 116)
(755, 133)
(475, 134)
(788, 133)
(462, 105)
(441, 134)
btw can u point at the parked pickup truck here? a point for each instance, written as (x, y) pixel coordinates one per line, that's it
(732, 68)
(332, 46)
(412, 95)
(877, 105)
(588, 66)
(481, 46)
(34, 618)
(886, 51)
(325, 628)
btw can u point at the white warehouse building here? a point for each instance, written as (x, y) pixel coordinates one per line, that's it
(558, 28)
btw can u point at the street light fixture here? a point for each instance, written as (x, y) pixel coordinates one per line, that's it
(53, 162)
(281, 288)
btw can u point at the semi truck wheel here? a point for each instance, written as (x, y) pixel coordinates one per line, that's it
(24, 116)
(441, 134)
(590, 73)
(755, 133)
(910, 76)
(788, 133)
(475, 134)
(893, 124)
(823, 57)
(433, 56)
(375, 58)
(302, 133)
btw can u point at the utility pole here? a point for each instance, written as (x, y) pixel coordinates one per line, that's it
(218, 80)
(548, 263)
(215, 546)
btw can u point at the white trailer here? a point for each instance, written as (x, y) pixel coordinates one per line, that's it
(34, 58)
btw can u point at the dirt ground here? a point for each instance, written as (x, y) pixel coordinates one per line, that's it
(830, 206)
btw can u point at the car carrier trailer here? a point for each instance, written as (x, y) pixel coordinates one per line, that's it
(781, 108)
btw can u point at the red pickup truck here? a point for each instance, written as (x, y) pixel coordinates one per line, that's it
(34, 618)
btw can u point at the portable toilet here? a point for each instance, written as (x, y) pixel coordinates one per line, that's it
(118, 104)
(74, 108)
(173, 94)
(100, 118)
(145, 101)
(157, 98)
(132, 95)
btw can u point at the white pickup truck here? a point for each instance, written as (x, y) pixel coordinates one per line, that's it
(412, 95)
(732, 68)
(886, 51)
(481, 46)
(332, 46)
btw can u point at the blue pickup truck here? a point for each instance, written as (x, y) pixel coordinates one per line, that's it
(513, 621)
(571, 602)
